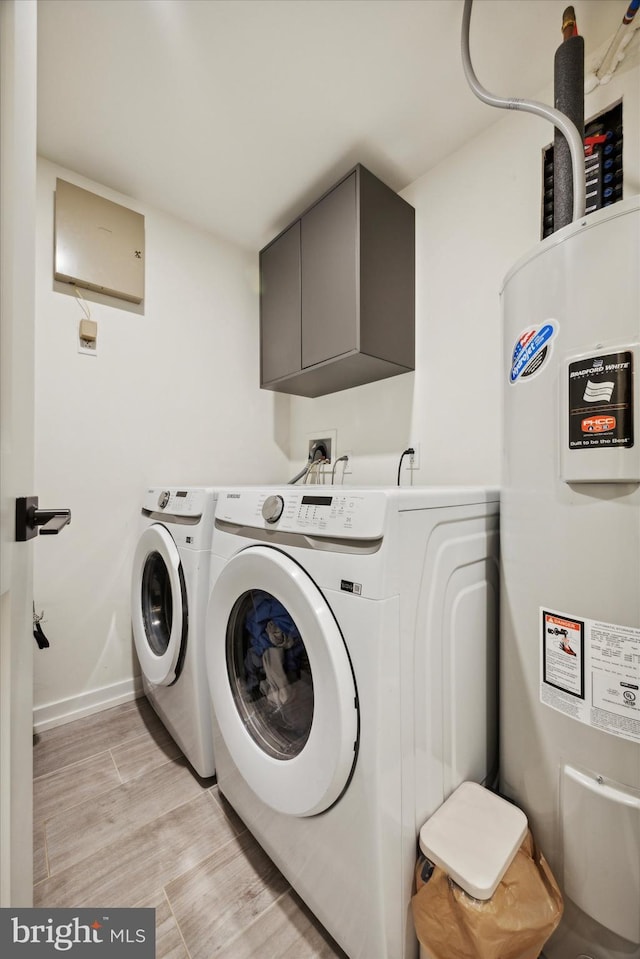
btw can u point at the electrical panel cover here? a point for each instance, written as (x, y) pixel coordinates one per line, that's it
(99, 245)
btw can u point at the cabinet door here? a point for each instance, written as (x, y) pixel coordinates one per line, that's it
(329, 275)
(280, 306)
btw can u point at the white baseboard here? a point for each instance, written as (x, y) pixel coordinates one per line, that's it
(94, 701)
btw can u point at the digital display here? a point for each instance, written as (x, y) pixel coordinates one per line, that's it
(317, 500)
(181, 493)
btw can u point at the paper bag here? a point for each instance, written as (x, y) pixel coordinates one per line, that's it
(514, 924)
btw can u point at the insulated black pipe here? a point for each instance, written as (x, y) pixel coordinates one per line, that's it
(569, 130)
(569, 99)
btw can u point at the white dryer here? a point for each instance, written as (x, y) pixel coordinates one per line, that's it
(351, 656)
(169, 592)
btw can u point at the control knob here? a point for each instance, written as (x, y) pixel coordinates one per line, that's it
(164, 498)
(272, 508)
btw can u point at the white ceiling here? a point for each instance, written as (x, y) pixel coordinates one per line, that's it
(235, 114)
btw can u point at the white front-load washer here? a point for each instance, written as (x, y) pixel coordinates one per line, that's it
(169, 592)
(351, 656)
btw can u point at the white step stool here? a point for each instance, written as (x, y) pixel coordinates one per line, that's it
(474, 837)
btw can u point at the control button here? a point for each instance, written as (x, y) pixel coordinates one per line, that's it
(163, 499)
(272, 508)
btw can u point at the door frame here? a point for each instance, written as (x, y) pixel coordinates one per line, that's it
(18, 120)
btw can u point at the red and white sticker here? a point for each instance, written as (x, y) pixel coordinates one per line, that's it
(598, 424)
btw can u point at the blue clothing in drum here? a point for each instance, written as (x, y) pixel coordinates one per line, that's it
(269, 626)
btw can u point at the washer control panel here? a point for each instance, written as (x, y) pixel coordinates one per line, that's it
(357, 514)
(176, 501)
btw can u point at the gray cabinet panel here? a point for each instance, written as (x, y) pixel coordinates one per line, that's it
(329, 274)
(387, 273)
(337, 299)
(280, 334)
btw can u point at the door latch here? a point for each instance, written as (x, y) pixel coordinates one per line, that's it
(30, 519)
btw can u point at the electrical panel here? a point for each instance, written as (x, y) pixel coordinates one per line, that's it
(602, 166)
(99, 245)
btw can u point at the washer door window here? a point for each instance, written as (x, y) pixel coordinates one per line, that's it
(159, 606)
(269, 674)
(281, 682)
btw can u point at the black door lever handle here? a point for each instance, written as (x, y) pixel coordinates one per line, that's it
(51, 520)
(29, 518)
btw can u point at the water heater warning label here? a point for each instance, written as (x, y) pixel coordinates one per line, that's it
(590, 671)
(564, 654)
(601, 402)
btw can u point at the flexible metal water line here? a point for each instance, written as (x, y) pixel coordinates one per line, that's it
(559, 120)
(303, 472)
(315, 456)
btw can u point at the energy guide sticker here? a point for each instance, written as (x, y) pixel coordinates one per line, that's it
(590, 671)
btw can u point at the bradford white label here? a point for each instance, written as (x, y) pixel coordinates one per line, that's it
(601, 402)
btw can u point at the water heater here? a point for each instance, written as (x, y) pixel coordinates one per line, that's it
(570, 604)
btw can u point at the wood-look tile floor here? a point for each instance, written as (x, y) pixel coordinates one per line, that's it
(121, 819)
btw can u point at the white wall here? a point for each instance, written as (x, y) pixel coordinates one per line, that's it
(476, 214)
(172, 396)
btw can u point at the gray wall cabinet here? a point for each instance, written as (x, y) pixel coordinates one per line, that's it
(337, 292)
